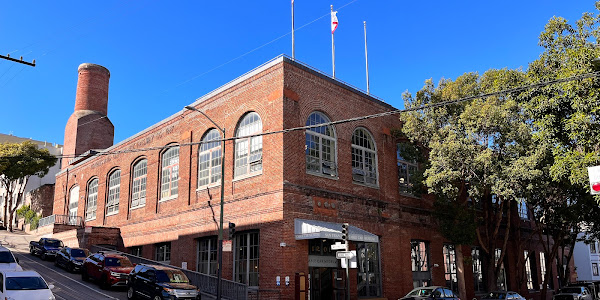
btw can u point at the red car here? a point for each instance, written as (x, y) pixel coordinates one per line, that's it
(110, 269)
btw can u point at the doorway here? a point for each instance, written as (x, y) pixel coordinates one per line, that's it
(327, 283)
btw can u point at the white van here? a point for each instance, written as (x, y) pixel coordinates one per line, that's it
(8, 262)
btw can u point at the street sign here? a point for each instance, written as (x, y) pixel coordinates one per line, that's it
(338, 246)
(344, 254)
(594, 174)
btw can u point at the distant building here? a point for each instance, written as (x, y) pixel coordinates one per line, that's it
(40, 189)
(587, 261)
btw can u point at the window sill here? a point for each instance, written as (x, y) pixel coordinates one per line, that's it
(374, 186)
(91, 219)
(206, 187)
(323, 175)
(137, 207)
(112, 213)
(246, 176)
(168, 198)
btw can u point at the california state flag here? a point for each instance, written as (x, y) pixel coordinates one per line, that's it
(334, 21)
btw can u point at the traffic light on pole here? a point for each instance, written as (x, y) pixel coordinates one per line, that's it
(231, 230)
(345, 229)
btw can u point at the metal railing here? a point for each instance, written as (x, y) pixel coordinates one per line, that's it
(61, 219)
(206, 283)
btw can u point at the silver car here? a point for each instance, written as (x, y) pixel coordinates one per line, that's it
(573, 293)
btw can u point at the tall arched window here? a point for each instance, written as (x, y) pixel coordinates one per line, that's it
(209, 159)
(248, 151)
(73, 204)
(364, 157)
(320, 146)
(114, 191)
(92, 200)
(138, 186)
(170, 174)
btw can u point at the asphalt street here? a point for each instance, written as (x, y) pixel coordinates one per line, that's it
(67, 286)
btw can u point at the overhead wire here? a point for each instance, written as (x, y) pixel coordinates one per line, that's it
(365, 117)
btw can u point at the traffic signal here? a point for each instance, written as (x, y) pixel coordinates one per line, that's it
(231, 229)
(345, 229)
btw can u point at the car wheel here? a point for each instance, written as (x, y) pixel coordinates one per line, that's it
(157, 297)
(43, 256)
(84, 275)
(70, 268)
(130, 293)
(31, 251)
(104, 283)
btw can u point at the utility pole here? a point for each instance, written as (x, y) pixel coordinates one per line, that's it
(21, 61)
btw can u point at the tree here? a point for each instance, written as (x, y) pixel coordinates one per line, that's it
(480, 155)
(18, 162)
(564, 119)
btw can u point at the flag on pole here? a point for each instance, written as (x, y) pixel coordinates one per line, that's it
(334, 21)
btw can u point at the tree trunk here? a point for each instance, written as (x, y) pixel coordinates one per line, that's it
(460, 272)
(490, 271)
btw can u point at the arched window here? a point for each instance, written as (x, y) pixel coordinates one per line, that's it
(73, 204)
(114, 190)
(170, 174)
(138, 186)
(92, 200)
(320, 146)
(209, 159)
(364, 157)
(248, 151)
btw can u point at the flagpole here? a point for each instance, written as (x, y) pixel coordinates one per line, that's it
(332, 48)
(366, 57)
(293, 40)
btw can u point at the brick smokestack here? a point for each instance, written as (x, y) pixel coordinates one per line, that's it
(89, 127)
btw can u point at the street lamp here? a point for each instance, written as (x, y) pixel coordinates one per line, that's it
(220, 243)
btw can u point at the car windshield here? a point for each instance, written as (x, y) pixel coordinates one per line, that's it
(25, 283)
(55, 243)
(172, 276)
(571, 290)
(425, 292)
(79, 253)
(117, 262)
(495, 295)
(6, 257)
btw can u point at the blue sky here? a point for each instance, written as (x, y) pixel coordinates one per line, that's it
(163, 55)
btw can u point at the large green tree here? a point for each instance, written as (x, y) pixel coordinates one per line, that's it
(480, 155)
(18, 162)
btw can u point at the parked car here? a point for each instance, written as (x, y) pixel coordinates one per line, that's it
(110, 269)
(8, 262)
(573, 293)
(24, 285)
(592, 286)
(71, 258)
(502, 295)
(159, 282)
(45, 247)
(429, 293)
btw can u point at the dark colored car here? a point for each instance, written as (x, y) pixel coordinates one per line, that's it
(430, 293)
(45, 247)
(158, 283)
(502, 295)
(110, 269)
(71, 258)
(573, 293)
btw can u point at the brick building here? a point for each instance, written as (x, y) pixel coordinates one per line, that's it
(288, 193)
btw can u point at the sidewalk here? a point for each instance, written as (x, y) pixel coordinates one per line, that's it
(17, 240)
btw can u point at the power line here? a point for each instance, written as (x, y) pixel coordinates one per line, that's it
(366, 117)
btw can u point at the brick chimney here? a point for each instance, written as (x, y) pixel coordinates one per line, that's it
(89, 127)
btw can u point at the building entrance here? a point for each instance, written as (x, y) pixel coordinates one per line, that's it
(327, 283)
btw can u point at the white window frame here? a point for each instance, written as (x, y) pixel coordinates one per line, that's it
(450, 270)
(114, 192)
(523, 210)
(209, 159)
(406, 170)
(528, 271)
(169, 174)
(248, 150)
(315, 164)
(208, 266)
(360, 166)
(91, 202)
(163, 250)
(73, 204)
(138, 185)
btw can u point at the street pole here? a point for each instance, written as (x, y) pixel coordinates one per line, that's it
(220, 242)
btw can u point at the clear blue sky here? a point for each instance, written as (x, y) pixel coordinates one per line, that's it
(162, 55)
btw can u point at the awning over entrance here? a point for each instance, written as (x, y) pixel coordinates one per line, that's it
(313, 229)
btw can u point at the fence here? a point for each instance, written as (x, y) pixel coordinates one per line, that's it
(61, 219)
(206, 283)
(264, 294)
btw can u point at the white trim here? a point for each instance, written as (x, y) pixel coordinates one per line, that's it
(314, 229)
(168, 198)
